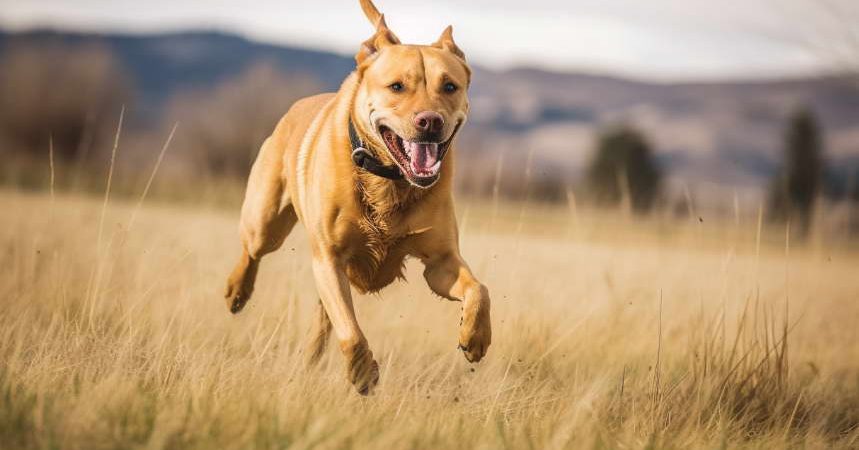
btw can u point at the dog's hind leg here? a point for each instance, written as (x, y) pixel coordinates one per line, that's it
(267, 218)
(320, 333)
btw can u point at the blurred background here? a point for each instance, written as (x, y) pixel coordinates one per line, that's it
(670, 108)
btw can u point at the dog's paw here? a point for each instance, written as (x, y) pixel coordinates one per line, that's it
(474, 346)
(475, 333)
(363, 369)
(366, 382)
(236, 297)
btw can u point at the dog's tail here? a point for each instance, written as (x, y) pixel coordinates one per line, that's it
(371, 12)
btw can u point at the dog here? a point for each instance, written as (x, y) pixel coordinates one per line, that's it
(368, 171)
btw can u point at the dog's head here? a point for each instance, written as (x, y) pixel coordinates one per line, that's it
(411, 99)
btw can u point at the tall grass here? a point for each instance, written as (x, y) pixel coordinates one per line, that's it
(619, 334)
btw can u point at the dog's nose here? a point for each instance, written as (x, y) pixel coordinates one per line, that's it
(429, 122)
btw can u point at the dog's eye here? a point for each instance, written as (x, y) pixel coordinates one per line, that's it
(396, 87)
(450, 87)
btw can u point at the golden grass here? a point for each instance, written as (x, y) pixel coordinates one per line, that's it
(607, 334)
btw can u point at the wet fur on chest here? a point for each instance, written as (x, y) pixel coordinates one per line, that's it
(380, 259)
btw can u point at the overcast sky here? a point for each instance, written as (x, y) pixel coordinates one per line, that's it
(657, 39)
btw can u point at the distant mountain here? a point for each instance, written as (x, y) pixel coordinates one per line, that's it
(164, 64)
(707, 134)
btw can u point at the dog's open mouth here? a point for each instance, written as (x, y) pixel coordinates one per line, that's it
(419, 161)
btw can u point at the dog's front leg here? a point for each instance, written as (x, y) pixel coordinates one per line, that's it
(333, 287)
(449, 276)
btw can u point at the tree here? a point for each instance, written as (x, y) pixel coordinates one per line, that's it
(70, 94)
(221, 129)
(796, 186)
(624, 170)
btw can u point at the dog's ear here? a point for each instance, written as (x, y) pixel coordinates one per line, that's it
(446, 42)
(381, 39)
(371, 12)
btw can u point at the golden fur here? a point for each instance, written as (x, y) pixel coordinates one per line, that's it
(361, 226)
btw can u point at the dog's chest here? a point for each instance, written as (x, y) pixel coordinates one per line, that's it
(377, 258)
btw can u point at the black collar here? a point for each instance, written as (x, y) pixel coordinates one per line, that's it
(365, 160)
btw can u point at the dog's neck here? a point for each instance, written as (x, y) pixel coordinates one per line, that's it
(382, 197)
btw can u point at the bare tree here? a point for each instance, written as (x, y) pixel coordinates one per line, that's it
(72, 94)
(222, 130)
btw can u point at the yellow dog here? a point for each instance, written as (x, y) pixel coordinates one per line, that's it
(368, 171)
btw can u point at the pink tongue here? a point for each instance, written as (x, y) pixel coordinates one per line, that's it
(424, 157)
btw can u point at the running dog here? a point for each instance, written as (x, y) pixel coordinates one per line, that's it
(368, 171)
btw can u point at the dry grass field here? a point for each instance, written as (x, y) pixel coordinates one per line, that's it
(608, 333)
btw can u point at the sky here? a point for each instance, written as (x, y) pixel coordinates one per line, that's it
(648, 39)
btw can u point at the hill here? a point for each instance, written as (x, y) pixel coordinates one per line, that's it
(708, 135)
